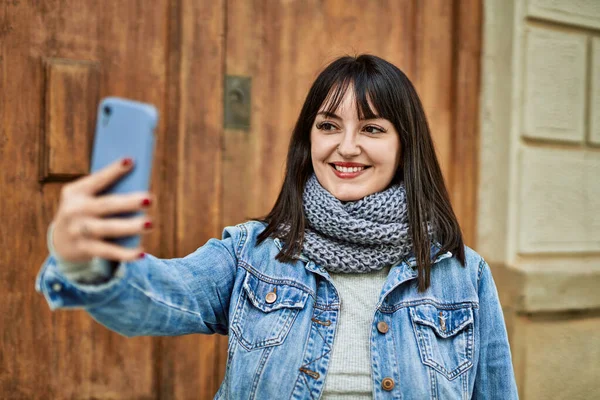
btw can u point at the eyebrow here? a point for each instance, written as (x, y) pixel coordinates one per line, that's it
(335, 116)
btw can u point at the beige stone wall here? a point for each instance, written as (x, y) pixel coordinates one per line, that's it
(539, 194)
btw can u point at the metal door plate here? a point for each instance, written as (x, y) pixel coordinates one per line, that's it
(237, 102)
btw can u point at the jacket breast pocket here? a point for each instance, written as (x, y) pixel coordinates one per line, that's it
(444, 337)
(265, 312)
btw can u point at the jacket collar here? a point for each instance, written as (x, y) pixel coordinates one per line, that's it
(411, 259)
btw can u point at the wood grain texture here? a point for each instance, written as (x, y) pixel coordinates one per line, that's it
(464, 176)
(434, 74)
(189, 366)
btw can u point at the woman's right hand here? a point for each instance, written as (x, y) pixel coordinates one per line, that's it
(79, 223)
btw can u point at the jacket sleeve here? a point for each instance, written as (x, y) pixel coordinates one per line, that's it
(152, 296)
(495, 377)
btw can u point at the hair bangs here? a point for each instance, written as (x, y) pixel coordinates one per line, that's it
(362, 87)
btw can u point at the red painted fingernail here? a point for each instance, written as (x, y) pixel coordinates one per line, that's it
(146, 202)
(127, 162)
(142, 255)
(148, 225)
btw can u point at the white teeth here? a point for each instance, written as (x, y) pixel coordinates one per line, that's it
(348, 169)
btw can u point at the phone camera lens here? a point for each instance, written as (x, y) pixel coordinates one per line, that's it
(107, 110)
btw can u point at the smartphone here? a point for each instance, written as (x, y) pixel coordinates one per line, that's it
(125, 128)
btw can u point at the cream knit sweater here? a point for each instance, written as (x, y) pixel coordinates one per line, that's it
(349, 373)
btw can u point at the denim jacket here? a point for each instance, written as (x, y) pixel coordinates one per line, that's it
(449, 342)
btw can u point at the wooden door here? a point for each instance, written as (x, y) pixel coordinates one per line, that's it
(58, 57)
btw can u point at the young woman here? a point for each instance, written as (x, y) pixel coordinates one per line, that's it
(356, 285)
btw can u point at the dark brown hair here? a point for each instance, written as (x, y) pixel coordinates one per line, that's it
(394, 98)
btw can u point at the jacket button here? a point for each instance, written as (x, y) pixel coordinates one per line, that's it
(271, 297)
(382, 327)
(387, 384)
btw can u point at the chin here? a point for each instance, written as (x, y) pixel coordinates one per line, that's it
(350, 195)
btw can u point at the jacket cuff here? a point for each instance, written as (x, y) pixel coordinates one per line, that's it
(62, 292)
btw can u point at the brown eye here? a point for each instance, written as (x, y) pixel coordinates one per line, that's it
(326, 126)
(373, 129)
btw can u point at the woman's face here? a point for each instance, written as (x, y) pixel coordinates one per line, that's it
(353, 158)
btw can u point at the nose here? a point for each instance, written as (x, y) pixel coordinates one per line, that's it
(348, 146)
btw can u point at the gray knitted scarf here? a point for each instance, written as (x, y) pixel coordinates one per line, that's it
(356, 236)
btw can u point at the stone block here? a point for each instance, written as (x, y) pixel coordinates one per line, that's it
(584, 13)
(556, 356)
(559, 201)
(549, 284)
(555, 85)
(595, 93)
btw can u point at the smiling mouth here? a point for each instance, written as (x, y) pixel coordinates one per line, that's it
(348, 172)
